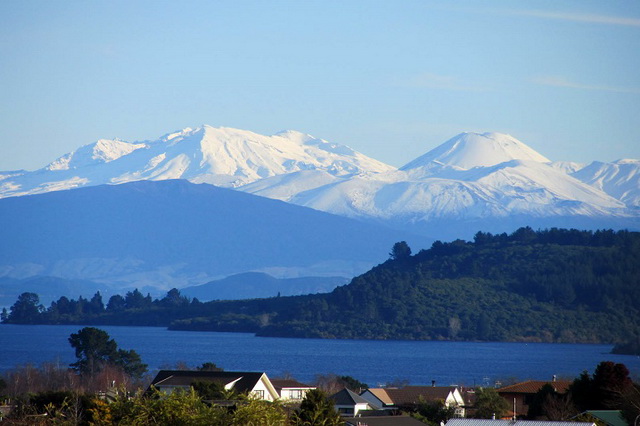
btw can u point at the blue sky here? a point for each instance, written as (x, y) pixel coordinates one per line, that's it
(390, 79)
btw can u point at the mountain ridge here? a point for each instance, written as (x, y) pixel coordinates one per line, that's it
(175, 233)
(470, 177)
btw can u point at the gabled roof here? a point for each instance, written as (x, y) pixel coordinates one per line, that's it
(244, 381)
(381, 394)
(413, 394)
(489, 422)
(610, 417)
(289, 384)
(346, 397)
(533, 386)
(383, 421)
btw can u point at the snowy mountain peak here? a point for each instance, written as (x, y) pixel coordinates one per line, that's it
(221, 156)
(627, 161)
(101, 151)
(468, 150)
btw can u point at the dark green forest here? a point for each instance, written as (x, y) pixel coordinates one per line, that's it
(554, 285)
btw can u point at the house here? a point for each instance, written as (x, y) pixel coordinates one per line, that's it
(349, 403)
(489, 422)
(379, 397)
(290, 390)
(520, 395)
(252, 383)
(409, 396)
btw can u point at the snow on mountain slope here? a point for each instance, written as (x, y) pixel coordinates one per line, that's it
(285, 187)
(513, 187)
(468, 150)
(103, 151)
(221, 156)
(620, 179)
(567, 167)
(470, 177)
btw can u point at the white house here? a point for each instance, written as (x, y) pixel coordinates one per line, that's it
(290, 390)
(251, 383)
(409, 396)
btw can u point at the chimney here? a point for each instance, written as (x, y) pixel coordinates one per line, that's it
(554, 378)
(433, 383)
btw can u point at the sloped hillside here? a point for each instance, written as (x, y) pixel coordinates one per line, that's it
(551, 286)
(174, 233)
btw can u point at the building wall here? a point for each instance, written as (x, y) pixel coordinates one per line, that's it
(295, 394)
(261, 390)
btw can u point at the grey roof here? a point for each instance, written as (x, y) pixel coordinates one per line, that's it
(383, 421)
(610, 417)
(289, 383)
(184, 378)
(346, 397)
(489, 422)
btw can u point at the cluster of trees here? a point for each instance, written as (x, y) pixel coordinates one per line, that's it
(78, 406)
(99, 364)
(553, 285)
(609, 388)
(178, 408)
(28, 308)
(95, 350)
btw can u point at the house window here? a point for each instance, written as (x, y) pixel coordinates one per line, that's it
(296, 394)
(259, 393)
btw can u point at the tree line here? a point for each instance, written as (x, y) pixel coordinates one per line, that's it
(555, 285)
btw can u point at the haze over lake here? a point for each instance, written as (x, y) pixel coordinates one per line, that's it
(373, 362)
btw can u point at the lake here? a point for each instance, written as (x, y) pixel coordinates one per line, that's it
(373, 362)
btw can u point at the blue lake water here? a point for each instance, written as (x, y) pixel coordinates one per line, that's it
(373, 362)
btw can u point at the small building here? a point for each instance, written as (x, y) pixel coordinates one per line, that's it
(379, 397)
(408, 397)
(349, 403)
(490, 422)
(521, 394)
(251, 383)
(290, 390)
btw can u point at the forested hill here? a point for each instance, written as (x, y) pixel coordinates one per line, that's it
(554, 285)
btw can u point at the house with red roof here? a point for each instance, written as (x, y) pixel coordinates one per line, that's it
(520, 395)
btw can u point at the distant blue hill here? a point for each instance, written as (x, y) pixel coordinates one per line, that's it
(174, 233)
(256, 284)
(50, 289)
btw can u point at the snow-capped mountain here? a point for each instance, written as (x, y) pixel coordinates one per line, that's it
(477, 178)
(220, 156)
(485, 180)
(620, 179)
(469, 150)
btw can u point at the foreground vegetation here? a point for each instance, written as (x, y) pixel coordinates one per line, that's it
(554, 285)
(102, 389)
(609, 388)
(99, 389)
